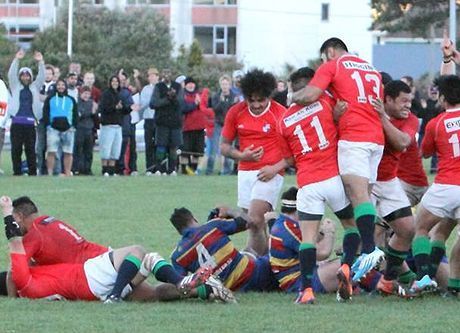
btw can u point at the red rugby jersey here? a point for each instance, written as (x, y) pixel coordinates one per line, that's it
(442, 136)
(308, 133)
(356, 82)
(410, 167)
(257, 130)
(51, 241)
(66, 280)
(388, 167)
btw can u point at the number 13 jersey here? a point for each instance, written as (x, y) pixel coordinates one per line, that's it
(308, 134)
(356, 82)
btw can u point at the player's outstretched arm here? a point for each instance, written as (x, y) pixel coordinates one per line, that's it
(306, 95)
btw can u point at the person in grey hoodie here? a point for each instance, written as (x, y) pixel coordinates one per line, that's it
(24, 108)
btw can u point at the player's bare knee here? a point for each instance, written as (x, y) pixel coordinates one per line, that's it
(138, 251)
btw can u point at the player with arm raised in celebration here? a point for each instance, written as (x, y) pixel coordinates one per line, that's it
(309, 135)
(254, 123)
(442, 137)
(361, 137)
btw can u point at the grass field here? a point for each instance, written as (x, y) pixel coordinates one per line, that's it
(135, 210)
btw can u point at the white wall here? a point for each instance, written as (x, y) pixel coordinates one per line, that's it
(273, 32)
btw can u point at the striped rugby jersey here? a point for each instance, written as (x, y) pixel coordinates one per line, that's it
(285, 239)
(209, 245)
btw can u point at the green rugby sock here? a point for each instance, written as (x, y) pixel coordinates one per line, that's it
(421, 250)
(365, 217)
(438, 250)
(307, 258)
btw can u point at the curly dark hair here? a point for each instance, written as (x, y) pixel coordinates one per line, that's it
(259, 83)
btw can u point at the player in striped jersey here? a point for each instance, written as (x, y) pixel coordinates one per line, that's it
(210, 245)
(285, 238)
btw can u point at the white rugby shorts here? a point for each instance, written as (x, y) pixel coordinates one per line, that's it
(250, 188)
(443, 200)
(359, 159)
(389, 196)
(101, 276)
(312, 198)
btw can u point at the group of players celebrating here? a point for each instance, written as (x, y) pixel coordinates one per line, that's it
(351, 136)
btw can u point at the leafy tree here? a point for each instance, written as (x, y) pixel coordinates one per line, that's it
(105, 41)
(415, 16)
(206, 70)
(7, 51)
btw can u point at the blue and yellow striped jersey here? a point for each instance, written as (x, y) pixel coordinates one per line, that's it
(285, 238)
(209, 245)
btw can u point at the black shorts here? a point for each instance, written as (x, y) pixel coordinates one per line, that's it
(168, 137)
(194, 141)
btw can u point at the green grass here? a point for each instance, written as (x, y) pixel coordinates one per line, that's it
(135, 210)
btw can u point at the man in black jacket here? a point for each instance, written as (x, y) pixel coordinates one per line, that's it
(166, 100)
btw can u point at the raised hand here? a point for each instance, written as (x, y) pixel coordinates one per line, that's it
(38, 56)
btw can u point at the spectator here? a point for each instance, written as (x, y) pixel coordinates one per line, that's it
(431, 109)
(111, 110)
(75, 67)
(57, 73)
(128, 144)
(60, 115)
(24, 108)
(72, 90)
(221, 102)
(193, 130)
(236, 89)
(88, 80)
(281, 93)
(48, 88)
(149, 123)
(84, 140)
(167, 100)
(3, 118)
(209, 130)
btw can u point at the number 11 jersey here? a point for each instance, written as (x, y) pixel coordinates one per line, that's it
(356, 82)
(308, 134)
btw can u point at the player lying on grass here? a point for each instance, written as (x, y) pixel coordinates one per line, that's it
(48, 242)
(90, 281)
(209, 245)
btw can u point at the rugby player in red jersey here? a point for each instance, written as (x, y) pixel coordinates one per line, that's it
(49, 242)
(442, 137)
(361, 137)
(253, 122)
(309, 135)
(393, 206)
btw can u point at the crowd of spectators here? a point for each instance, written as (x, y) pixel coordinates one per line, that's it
(57, 120)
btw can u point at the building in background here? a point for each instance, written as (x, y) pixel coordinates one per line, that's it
(415, 56)
(268, 34)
